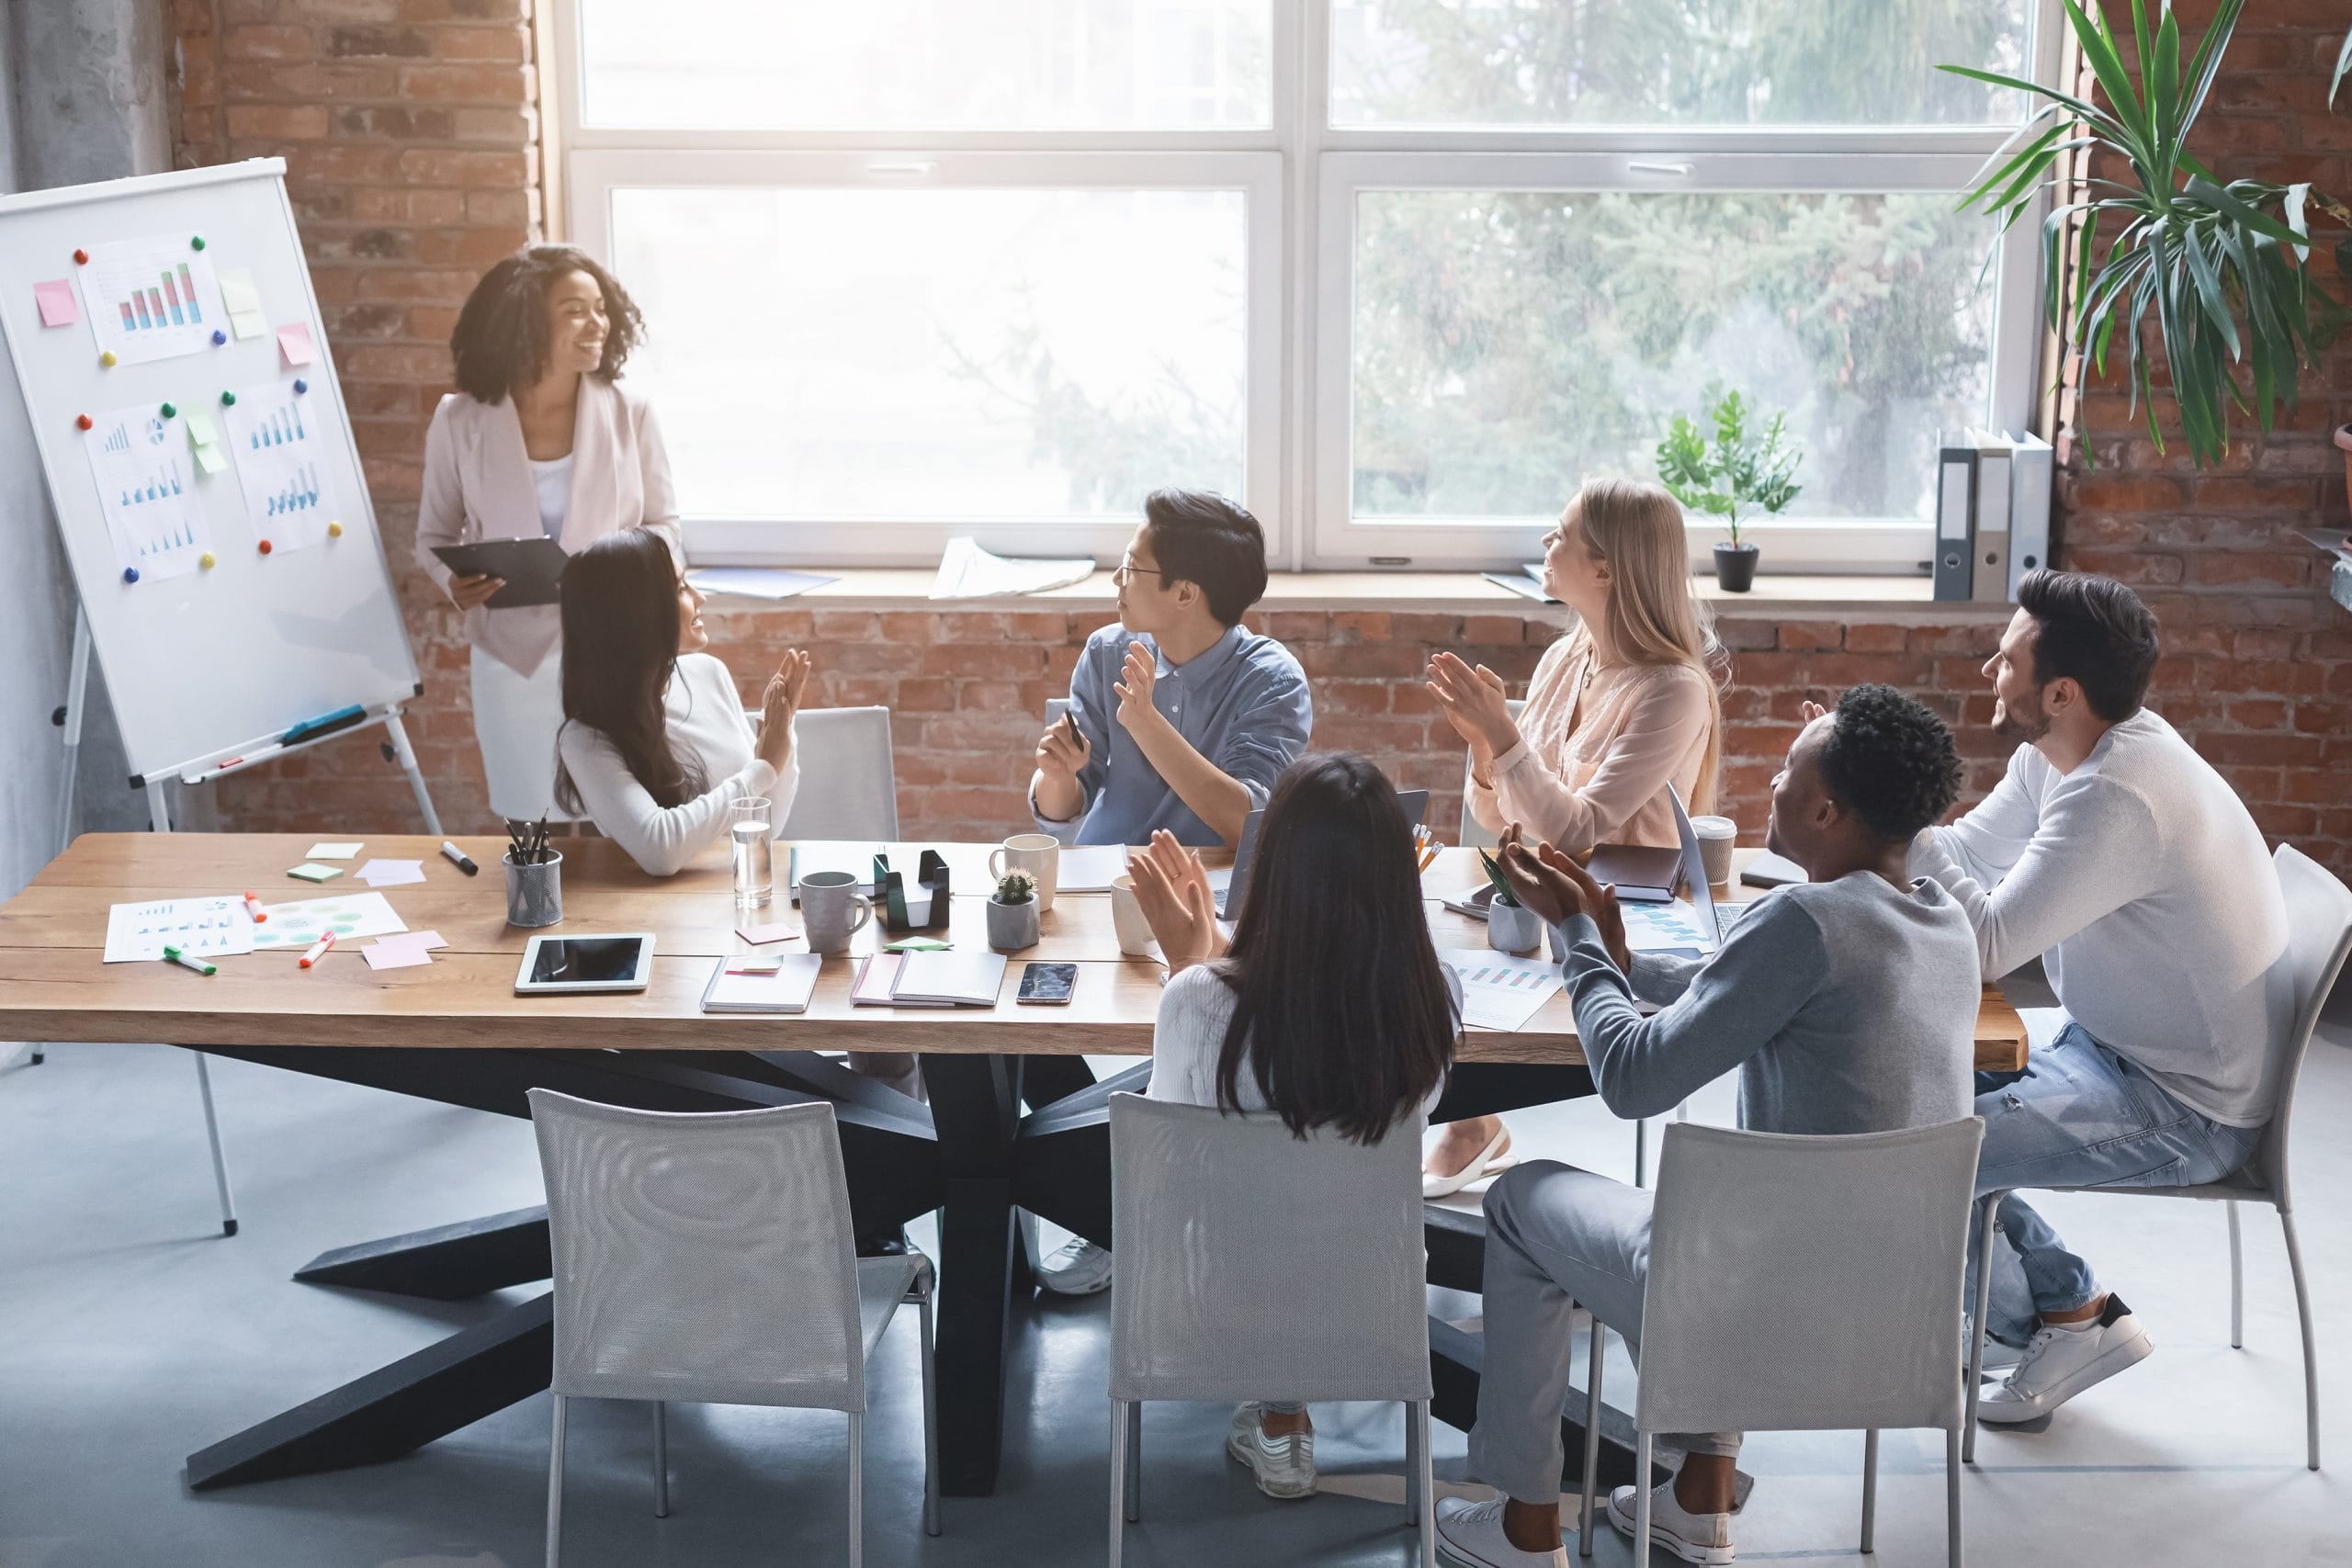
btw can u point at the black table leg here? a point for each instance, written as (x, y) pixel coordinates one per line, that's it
(447, 1263)
(975, 1110)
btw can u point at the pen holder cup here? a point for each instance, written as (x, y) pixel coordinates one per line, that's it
(1512, 929)
(535, 893)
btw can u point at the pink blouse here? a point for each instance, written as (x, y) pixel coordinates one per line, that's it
(1598, 747)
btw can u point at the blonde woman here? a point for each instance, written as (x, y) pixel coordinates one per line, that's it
(1621, 707)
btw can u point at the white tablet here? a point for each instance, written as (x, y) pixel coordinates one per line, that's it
(620, 961)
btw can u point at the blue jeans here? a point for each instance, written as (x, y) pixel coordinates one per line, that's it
(2079, 1115)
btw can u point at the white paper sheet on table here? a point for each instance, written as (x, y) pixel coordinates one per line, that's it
(391, 873)
(201, 927)
(1652, 926)
(967, 572)
(1499, 991)
(1091, 868)
(293, 927)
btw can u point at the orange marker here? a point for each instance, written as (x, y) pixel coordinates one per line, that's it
(318, 949)
(253, 907)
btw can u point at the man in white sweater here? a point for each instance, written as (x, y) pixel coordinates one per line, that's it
(2115, 853)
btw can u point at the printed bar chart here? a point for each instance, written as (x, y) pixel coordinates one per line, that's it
(155, 515)
(151, 299)
(290, 491)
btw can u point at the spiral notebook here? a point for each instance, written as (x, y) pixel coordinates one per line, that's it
(782, 983)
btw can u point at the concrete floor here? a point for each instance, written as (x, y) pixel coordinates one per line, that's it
(131, 1334)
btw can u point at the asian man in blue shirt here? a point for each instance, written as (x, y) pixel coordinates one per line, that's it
(1180, 717)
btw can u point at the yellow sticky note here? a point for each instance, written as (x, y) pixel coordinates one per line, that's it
(333, 850)
(237, 291)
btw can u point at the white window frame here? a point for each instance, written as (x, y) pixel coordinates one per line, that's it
(1300, 176)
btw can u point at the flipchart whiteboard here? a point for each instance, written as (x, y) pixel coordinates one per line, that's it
(204, 657)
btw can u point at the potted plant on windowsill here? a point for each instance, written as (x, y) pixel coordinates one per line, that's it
(1012, 913)
(1746, 466)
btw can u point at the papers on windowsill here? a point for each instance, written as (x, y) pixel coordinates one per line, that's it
(755, 582)
(391, 873)
(201, 928)
(1499, 991)
(967, 572)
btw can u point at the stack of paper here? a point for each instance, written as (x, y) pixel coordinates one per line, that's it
(967, 572)
(201, 928)
(1498, 991)
(756, 581)
(783, 984)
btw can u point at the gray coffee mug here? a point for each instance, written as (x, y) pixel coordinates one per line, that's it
(1512, 928)
(828, 900)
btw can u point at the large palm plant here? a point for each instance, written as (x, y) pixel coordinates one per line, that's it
(2223, 268)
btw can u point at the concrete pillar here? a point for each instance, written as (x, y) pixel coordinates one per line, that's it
(91, 96)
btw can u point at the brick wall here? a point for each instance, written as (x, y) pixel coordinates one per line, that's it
(410, 128)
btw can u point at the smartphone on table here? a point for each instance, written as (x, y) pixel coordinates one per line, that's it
(1047, 985)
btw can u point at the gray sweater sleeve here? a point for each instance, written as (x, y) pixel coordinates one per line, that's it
(1730, 1009)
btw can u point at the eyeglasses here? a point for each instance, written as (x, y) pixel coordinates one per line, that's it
(1126, 571)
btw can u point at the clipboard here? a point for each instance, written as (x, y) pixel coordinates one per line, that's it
(926, 912)
(533, 568)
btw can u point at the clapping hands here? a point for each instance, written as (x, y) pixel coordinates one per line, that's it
(1177, 902)
(1547, 880)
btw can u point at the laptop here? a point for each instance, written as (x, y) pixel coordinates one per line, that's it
(1236, 886)
(1709, 916)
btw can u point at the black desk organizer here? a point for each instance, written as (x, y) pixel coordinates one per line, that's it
(931, 880)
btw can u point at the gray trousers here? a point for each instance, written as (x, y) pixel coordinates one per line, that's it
(1556, 1235)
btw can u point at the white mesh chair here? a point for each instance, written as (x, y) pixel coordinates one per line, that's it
(2319, 936)
(848, 776)
(1218, 1294)
(1801, 1284)
(708, 1257)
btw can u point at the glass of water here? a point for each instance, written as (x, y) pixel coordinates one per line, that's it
(754, 852)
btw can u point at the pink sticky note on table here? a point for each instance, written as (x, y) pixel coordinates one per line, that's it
(421, 940)
(294, 343)
(57, 306)
(782, 930)
(396, 955)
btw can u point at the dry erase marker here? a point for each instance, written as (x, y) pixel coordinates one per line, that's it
(318, 949)
(185, 962)
(253, 907)
(458, 858)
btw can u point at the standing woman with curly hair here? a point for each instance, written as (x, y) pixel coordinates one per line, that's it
(539, 439)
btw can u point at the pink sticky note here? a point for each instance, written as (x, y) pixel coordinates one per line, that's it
(421, 940)
(398, 955)
(294, 343)
(782, 930)
(57, 306)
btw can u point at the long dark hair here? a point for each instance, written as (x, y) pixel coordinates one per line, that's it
(620, 644)
(501, 339)
(1342, 1015)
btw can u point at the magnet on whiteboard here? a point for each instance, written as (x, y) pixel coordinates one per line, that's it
(227, 398)
(81, 257)
(334, 530)
(130, 574)
(219, 337)
(206, 560)
(169, 411)
(265, 547)
(107, 359)
(81, 422)
(195, 243)
(301, 385)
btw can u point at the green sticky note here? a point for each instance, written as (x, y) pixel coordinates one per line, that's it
(200, 432)
(209, 460)
(917, 944)
(309, 873)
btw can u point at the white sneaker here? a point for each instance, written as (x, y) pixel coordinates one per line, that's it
(1284, 1467)
(1694, 1537)
(1079, 1269)
(1999, 1354)
(1470, 1535)
(2062, 1362)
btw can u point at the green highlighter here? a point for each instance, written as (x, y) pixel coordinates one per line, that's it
(185, 962)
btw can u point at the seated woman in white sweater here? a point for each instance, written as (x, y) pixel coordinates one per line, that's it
(1329, 1006)
(655, 748)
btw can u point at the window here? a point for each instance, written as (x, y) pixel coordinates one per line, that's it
(1396, 274)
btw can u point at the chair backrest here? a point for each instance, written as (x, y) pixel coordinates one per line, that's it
(2319, 934)
(849, 786)
(1250, 1264)
(1473, 835)
(701, 1257)
(1806, 1283)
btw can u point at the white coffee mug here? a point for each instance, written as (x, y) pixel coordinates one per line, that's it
(827, 900)
(1039, 854)
(1126, 917)
(1716, 837)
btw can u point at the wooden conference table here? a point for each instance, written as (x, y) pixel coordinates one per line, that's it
(453, 1032)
